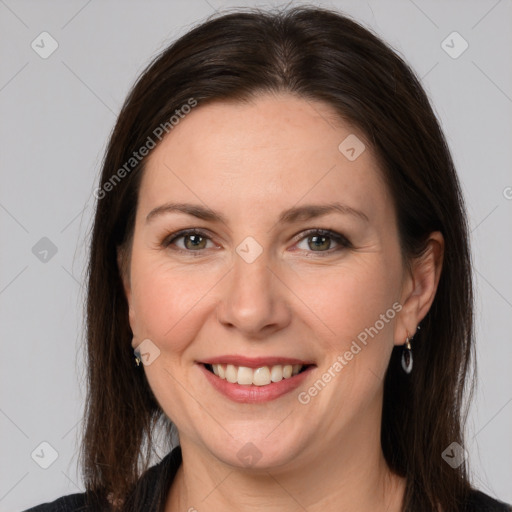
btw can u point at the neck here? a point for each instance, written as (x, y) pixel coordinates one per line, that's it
(354, 477)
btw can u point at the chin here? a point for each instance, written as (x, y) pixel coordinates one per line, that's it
(262, 452)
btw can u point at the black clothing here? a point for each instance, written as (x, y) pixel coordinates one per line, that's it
(156, 482)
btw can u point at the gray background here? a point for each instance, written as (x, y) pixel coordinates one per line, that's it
(56, 116)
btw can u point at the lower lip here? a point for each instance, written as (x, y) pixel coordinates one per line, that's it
(252, 393)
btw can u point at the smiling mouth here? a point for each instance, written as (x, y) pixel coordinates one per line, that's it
(262, 376)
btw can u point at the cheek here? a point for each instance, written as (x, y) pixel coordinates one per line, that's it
(350, 297)
(356, 315)
(357, 308)
(168, 301)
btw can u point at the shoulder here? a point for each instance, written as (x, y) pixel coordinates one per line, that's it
(149, 494)
(69, 503)
(480, 502)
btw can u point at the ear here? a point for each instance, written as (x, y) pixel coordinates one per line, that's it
(419, 288)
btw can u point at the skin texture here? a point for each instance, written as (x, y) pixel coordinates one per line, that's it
(250, 161)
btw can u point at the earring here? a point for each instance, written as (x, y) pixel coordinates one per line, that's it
(137, 356)
(407, 356)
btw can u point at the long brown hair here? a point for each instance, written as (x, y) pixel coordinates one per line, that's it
(316, 54)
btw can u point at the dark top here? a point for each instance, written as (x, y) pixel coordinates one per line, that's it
(156, 481)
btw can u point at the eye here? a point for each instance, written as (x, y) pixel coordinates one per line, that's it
(193, 240)
(321, 240)
(317, 240)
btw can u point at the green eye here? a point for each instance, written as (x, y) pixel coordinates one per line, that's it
(320, 240)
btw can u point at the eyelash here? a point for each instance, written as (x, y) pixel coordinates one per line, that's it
(342, 241)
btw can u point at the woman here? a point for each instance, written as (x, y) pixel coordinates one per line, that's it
(280, 273)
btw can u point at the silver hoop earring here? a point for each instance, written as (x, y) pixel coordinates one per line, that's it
(407, 356)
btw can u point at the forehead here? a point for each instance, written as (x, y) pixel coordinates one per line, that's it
(272, 150)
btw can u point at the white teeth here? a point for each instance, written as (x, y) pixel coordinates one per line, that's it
(277, 373)
(244, 375)
(259, 376)
(231, 373)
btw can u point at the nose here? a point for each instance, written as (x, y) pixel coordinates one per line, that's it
(254, 299)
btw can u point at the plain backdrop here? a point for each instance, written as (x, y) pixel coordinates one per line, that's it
(56, 115)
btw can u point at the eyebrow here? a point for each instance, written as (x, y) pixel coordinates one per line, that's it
(297, 213)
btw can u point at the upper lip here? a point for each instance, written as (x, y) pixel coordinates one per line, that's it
(254, 362)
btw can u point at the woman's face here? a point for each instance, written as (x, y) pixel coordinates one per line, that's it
(259, 288)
